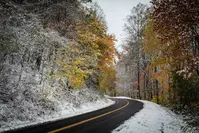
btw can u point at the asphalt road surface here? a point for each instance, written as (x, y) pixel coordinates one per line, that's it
(100, 121)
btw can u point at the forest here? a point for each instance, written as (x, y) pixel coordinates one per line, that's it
(54, 55)
(57, 54)
(160, 60)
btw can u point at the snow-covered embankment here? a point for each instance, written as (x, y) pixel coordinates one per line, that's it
(68, 110)
(153, 118)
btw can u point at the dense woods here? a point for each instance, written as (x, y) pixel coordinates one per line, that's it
(54, 55)
(57, 54)
(160, 57)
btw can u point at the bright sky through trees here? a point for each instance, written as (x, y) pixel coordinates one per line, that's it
(116, 12)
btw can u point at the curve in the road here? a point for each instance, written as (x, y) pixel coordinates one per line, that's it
(90, 119)
(100, 121)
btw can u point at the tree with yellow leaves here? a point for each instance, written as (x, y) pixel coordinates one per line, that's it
(91, 55)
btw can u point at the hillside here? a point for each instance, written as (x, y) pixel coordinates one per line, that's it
(41, 70)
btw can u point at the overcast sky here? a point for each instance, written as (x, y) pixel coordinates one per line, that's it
(116, 12)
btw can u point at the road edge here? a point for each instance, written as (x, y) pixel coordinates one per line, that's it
(33, 124)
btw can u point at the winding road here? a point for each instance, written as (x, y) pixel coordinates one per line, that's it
(100, 121)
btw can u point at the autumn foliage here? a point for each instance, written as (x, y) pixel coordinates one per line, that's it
(161, 56)
(172, 41)
(92, 55)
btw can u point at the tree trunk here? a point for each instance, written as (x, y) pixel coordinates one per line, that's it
(144, 86)
(139, 92)
(156, 87)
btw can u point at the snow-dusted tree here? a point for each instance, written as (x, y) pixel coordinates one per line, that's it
(177, 25)
(134, 28)
(36, 38)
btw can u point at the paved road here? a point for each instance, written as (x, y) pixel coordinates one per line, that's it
(100, 121)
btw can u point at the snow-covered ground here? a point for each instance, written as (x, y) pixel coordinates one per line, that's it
(64, 113)
(153, 118)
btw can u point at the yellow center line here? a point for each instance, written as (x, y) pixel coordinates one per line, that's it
(84, 121)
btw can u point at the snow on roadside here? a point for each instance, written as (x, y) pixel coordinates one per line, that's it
(152, 119)
(121, 97)
(65, 113)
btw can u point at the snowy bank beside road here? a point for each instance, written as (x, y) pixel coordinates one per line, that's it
(153, 119)
(66, 112)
